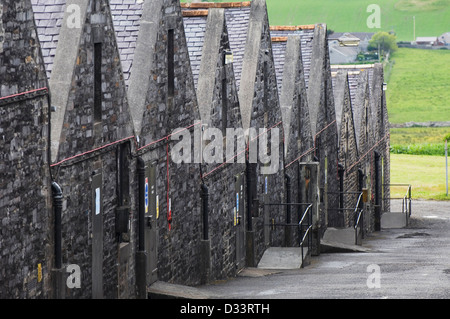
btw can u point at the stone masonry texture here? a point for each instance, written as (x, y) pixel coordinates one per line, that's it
(131, 82)
(25, 233)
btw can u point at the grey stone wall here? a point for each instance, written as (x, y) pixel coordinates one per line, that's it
(26, 253)
(296, 125)
(179, 253)
(226, 200)
(93, 153)
(264, 112)
(365, 137)
(82, 133)
(381, 139)
(348, 150)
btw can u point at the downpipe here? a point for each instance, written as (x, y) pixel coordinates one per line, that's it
(205, 210)
(59, 289)
(141, 255)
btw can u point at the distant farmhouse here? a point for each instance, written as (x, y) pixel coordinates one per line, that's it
(345, 47)
(444, 39)
(430, 41)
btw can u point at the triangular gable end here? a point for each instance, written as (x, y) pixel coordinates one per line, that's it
(62, 41)
(164, 85)
(257, 57)
(136, 28)
(99, 116)
(216, 56)
(359, 77)
(348, 151)
(293, 100)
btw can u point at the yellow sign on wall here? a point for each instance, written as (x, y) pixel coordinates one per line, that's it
(39, 272)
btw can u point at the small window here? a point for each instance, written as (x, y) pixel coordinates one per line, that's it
(170, 63)
(266, 86)
(224, 106)
(97, 82)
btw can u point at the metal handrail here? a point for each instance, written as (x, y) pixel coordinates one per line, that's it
(304, 214)
(356, 208)
(303, 240)
(405, 207)
(307, 210)
(361, 210)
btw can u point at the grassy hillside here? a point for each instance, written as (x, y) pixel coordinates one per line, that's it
(432, 16)
(418, 86)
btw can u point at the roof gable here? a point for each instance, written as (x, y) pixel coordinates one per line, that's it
(237, 15)
(279, 35)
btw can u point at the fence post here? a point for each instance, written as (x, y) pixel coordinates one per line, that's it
(446, 166)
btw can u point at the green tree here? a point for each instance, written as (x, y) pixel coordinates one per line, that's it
(386, 42)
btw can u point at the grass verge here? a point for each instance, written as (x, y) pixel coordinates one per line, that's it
(426, 174)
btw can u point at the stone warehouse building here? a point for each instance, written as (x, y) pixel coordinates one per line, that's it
(348, 150)
(250, 46)
(319, 93)
(223, 199)
(296, 124)
(371, 123)
(26, 239)
(111, 112)
(91, 141)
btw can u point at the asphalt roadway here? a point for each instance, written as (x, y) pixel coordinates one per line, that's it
(408, 263)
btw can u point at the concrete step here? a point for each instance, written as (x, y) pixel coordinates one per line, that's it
(393, 220)
(340, 235)
(282, 258)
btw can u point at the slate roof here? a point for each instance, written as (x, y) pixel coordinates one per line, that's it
(353, 76)
(195, 28)
(126, 16)
(279, 35)
(48, 15)
(279, 51)
(237, 16)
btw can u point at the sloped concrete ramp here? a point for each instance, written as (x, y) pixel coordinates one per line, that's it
(335, 247)
(282, 258)
(165, 290)
(393, 220)
(340, 235)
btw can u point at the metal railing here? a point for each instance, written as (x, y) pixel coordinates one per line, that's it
(406, 200)
(406, 204)
(303, 229)
(307, 233)
(359, 217)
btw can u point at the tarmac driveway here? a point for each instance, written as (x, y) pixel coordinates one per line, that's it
(409, 263)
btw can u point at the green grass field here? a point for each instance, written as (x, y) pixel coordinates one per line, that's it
(419, 140)
(432, 16)
(418, 86)
(416, 135)
(426, 174)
